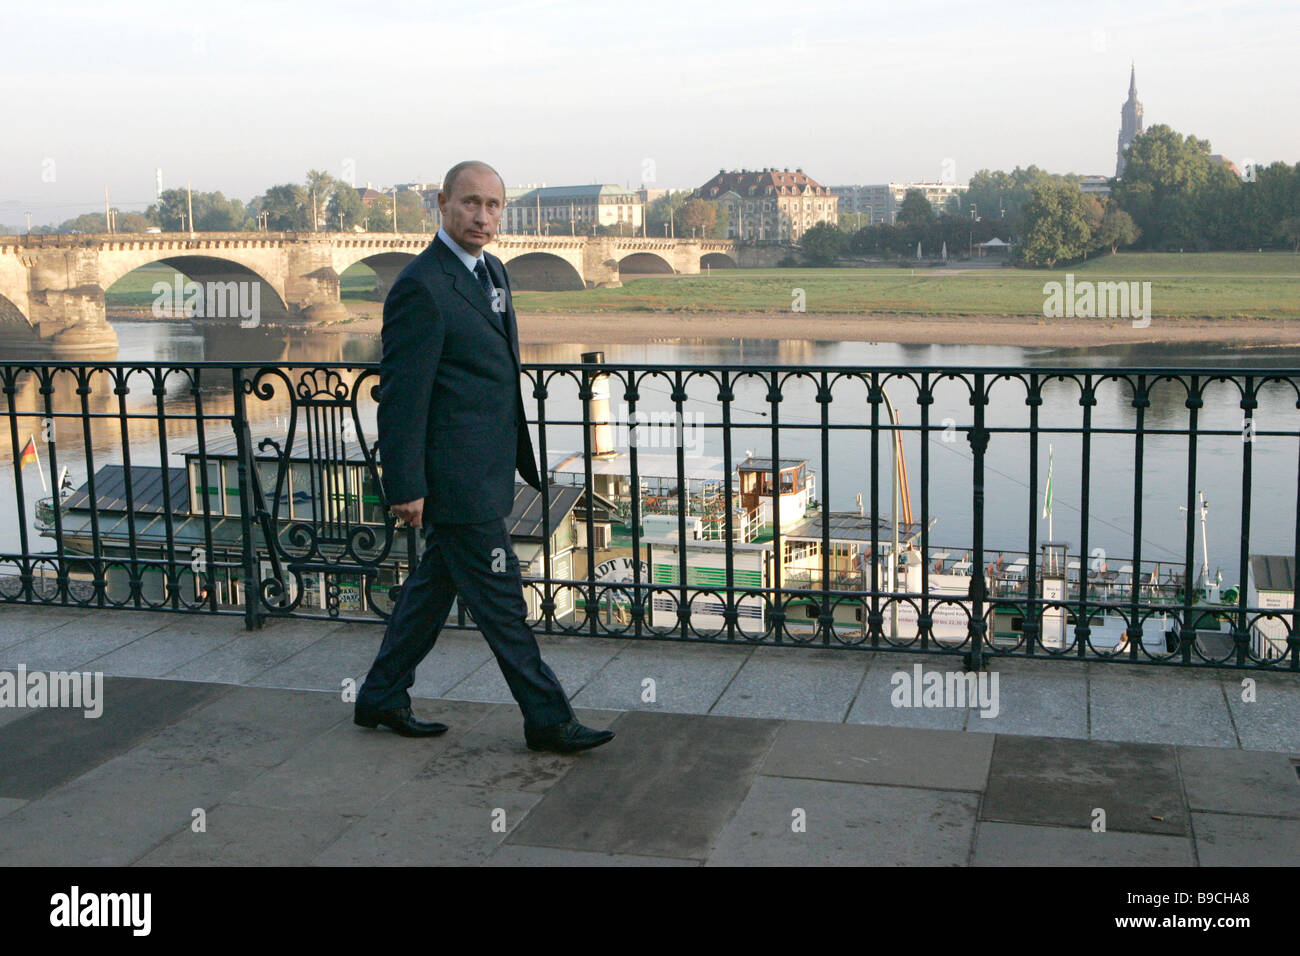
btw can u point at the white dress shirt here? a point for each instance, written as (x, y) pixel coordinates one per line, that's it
(469, 261)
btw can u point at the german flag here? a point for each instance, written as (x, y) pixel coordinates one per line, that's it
(28, 454)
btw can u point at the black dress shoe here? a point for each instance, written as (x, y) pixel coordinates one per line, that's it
(566, 738)
(400, 719)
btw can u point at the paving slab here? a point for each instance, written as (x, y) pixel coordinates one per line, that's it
(492, 754)
(1271, 721)
(1230, 840)
(251, 653)
(847, 824)
(179, 641)
(428, 823)
(324, 665)
(1059, 782)
(1037, 698)
(9, 714)
(1158, 705)
(574, 660)
(1012, 844)
(664, 787)
(22, 622)
(508, 855)
(75, 642)
(54, 745)
(875, 700)
(251, 726)
(116, 812)
(456, 655)
(688, 679)
(251, 836)
(794, 684)
(897, 756)
(350, 769)
(1240, 781)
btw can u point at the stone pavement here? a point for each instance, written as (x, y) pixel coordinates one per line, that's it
(745, 756)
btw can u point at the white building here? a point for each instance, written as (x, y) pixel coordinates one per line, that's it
(880, 203)
(549, 210)
(1270, 586)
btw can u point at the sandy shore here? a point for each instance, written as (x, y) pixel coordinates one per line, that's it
(635, 328)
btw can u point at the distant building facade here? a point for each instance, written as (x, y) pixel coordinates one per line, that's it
(770, 203)
(531, 210)
(1094, 185)
(881, 203)
(1130, 121)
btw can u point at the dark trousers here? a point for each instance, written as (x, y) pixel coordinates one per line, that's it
(477, 562)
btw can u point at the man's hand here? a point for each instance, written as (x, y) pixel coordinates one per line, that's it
(410, 512)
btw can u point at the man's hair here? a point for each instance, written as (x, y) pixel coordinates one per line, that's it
(449, 181)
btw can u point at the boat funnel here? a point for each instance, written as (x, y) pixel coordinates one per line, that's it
(597, 410)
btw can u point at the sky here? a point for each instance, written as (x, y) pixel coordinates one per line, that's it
(239, 96)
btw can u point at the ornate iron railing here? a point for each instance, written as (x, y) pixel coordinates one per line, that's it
(254, 489)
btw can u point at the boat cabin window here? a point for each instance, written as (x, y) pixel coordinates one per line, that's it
(212, 484)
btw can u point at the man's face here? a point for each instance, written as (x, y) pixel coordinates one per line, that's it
(472, 213)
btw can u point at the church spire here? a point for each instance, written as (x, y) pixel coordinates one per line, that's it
(1130, 124)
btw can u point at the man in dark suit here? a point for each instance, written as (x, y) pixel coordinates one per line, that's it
(452, 433)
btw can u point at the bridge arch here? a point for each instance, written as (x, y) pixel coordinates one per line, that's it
(543, 272)
(385, 265)
(717, 260)
(204, 269)
(15, 325)
(645, 263)
(259, 263)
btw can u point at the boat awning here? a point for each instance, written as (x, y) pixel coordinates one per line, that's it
(850, 527)
(648, 465)
(187, 530)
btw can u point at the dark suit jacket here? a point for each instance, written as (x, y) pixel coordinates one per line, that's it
(451, 418)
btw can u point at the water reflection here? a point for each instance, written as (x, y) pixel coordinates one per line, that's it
(1012, 501)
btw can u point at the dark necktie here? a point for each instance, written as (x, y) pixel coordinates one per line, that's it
(480, 270)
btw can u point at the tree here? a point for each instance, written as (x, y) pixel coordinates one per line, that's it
(822, 243)
(1117, 229)
(213, 212)
(287, 208)
(1165, 174)
(346, 202)
(915, 210)
(1290, 229)
(1000, 195)
(133, 222)
(661, 210)
(1055, 225)
(411, 214)
(379, 215)
(320, 188)
(697, 214)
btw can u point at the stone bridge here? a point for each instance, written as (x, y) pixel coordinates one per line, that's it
(52, 287)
